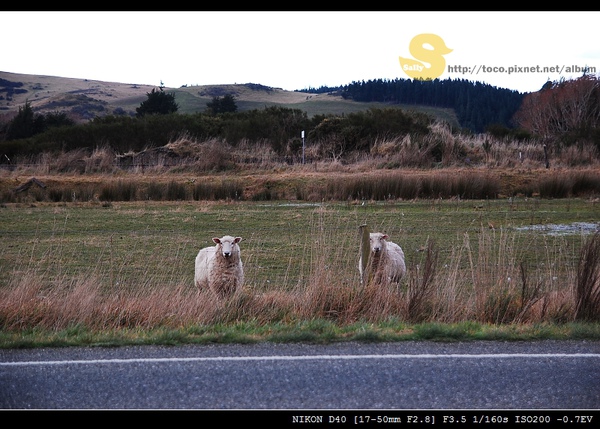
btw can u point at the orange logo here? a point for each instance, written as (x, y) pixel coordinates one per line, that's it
(434, 57)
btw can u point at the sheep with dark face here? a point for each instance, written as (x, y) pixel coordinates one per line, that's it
(385, 262)
(220, 267)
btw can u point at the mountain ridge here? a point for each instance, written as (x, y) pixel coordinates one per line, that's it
(83, 99)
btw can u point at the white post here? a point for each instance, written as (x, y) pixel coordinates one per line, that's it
(302, 146)
(365, 251)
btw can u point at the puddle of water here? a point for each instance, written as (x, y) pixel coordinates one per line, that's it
(563, 229)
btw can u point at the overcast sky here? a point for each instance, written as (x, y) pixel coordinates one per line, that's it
(294, 50)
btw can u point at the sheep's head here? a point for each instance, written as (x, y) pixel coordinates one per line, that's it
(227, 245)
(377, 241)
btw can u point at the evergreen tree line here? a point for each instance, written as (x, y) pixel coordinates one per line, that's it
(477, 105)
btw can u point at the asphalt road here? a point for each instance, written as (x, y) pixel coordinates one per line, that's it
(365, 376)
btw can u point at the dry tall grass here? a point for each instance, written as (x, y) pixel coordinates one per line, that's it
(440, 164)
(379, 185)
(439, 148)
(588, 281)
(484, 280)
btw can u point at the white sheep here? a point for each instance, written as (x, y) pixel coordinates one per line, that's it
(385, 262)
(220, 267)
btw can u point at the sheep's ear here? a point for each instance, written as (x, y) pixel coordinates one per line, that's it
(384, 236)
(217, 240)
(237, 239)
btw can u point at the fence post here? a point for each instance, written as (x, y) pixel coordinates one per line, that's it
(365, 251)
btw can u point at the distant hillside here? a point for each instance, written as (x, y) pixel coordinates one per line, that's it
(84, 99)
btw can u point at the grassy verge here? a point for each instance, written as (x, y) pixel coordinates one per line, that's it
(314, 331)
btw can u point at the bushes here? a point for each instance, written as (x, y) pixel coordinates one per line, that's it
(392, 137)
(277, 125)
(359, 130)
(122, 134)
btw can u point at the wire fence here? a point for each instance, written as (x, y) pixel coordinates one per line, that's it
(282, 242)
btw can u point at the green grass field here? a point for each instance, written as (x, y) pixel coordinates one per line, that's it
(134, 241)
(300, 263)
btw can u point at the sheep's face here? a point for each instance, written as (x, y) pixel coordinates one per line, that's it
(227, 245)
(377, 242)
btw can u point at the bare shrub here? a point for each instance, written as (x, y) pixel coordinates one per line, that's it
(530, 294)
(20, 303)
(387, 147)
(214, 155)
(262, 308)
(184, 146)
(375, 303)
(455, 300)
(102, 159)
(421, 288)
(588, 281)
(256, 154)
(327, 291)
(404, 151)
(492, 275)
(445, 148)
(71, 161)
(553, 306)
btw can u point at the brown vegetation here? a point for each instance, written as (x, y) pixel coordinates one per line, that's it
(588, 281)
(396, 168)
(496, 287)
(567, 110)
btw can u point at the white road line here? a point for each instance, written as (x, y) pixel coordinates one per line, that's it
(313, 357)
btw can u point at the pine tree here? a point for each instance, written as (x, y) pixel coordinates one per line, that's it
(158, 103)
(25, 124)
(222, 105)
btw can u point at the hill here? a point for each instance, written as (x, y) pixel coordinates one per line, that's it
(84, 99)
